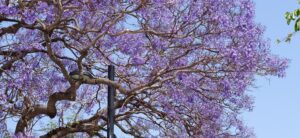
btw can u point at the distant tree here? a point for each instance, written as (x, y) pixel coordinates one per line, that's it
(183, 67)
(294, 17)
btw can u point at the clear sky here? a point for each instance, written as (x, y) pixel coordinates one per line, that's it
(277, 101)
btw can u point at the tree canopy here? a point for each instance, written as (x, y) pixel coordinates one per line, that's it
(183, 67)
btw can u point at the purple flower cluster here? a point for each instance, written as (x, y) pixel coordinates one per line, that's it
(186, 65)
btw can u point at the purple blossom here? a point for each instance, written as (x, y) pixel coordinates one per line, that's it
(138, 61)
(29, 16)
(184, 66)
(42, 6)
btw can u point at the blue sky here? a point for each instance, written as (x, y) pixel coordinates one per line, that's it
(277, 101)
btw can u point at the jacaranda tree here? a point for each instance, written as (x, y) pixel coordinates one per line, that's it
(183, 67)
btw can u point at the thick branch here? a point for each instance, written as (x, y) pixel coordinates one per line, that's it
(90, 128)
(49, 110)
(10, 30)
(87, 125)
(107, 82)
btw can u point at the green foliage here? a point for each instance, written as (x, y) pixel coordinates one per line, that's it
(293, 16)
